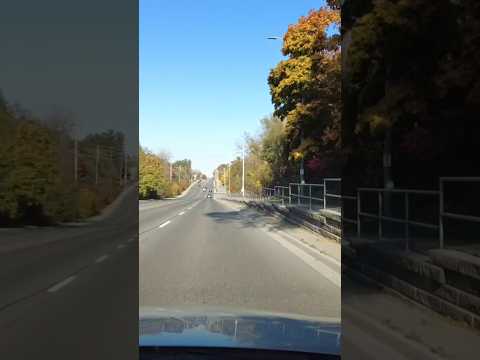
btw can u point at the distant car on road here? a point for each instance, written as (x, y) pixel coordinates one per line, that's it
(204, 189)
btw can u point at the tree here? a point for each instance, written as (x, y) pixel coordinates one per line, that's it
(36, 172)
(153, 182)
(305, 88)
(410, 72)
(7, 130)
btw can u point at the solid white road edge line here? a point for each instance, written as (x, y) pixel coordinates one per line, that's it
(327, 272)
(326, 257)
(61, 284)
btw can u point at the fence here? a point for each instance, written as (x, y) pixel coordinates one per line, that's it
(401, 215)
(387, 213)
(332, 195)
(309, 196)
(313, 197)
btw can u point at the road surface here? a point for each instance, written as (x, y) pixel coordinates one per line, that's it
(197, 251)
(74, 294)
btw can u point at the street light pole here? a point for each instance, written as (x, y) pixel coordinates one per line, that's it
(302, 172)
(243, 170)
(228, 178)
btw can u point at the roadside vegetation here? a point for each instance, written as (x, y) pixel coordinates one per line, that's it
(412, 90)
(37, 169)
(159, 178)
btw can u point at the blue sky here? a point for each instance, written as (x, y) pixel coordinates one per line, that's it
(203, 73)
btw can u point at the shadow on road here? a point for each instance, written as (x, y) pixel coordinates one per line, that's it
(251, 218)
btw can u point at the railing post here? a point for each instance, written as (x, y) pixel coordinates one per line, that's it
(324, 194)
(310, 196)
(407, 235)
(440, 215)
(283, 195)
(359, 208)
(289, 195)
(380, 214)
(298, 194)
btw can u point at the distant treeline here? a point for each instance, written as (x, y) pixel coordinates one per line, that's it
(47, 177)
(159, 178)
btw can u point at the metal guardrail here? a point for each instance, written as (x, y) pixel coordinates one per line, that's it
(311, 196)
(407, 220)
(315, 197)
(445, 214)
(306, 195)
(331, 195)
(355, 221)
(379, 215)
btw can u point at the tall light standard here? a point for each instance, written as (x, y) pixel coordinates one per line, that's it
(228, 178)
(243, 170)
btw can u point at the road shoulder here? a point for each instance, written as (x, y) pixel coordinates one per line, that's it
(308, 238)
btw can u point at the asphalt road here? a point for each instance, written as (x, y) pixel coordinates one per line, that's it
(76, 296)
(202, 252)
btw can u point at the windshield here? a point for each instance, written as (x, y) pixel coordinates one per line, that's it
(232, 197)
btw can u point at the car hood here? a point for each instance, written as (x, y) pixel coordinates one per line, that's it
(206, 327)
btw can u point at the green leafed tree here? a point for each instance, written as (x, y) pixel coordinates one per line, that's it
(153, 181)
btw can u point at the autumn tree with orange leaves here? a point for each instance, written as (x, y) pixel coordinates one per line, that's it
(306, 87)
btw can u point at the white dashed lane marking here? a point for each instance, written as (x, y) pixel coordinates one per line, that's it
(101, 258)
(181, 213)
(61, 284)
(164, 224)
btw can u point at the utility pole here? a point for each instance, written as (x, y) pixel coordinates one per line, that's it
(97, 159)
(229, 178)
(125, 169)
(224, 176)
(243, 170)
(302, 168)
(387, 173)
(302, 172)
(75, 159)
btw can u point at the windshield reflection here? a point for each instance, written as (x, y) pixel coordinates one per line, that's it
(248, 331)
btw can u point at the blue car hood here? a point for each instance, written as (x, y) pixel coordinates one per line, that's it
(238, 329)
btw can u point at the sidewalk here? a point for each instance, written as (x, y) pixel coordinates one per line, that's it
(412, 329)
